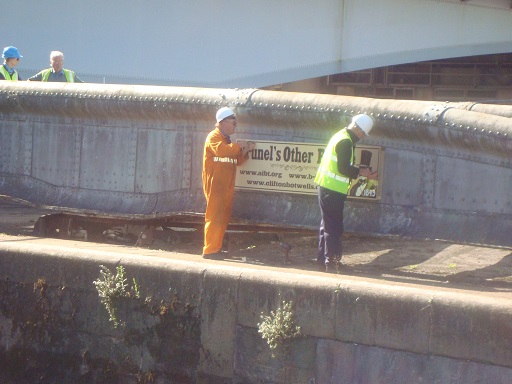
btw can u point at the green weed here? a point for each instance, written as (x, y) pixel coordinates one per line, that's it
(112, 287)
(278, 327)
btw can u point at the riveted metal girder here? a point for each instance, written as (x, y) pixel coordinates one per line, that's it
(137, 150)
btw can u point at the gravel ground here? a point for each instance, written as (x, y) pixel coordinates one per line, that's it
(388, 258)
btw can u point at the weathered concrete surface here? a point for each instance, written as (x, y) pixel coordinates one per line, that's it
(203, 324)
(376, 319)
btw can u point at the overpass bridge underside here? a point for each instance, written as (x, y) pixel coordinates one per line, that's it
(258, 44)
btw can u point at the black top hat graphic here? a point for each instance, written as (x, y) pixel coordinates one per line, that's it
(366, 159)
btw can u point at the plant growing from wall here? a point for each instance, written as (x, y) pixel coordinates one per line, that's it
(112, 287)
(278, 327)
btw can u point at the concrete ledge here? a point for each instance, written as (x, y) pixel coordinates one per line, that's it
(228, 300)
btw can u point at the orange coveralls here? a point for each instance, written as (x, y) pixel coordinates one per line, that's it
(220, 160)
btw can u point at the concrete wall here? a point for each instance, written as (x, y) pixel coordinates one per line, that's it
(197, 323)
(137, 150)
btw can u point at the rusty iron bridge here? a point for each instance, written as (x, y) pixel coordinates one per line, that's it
(134, 154)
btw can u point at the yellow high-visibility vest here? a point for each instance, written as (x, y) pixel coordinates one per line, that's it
(328, 175)
(70, 75)
(7, 75)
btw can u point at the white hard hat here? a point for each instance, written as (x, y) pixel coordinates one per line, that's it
(364, 122)
(223, 113)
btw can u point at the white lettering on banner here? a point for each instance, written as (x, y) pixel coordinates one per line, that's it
(291, 168)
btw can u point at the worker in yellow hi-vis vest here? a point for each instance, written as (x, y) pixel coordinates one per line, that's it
(57, 72)
(334, 176)
(11, 57)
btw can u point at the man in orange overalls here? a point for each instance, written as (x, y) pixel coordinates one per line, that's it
(221, 158)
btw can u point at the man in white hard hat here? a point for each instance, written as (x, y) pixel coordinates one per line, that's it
(334, 176)
(11, 57)
(57, 72)
(220, 160)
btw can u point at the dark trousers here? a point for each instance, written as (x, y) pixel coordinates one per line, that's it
(331, 226)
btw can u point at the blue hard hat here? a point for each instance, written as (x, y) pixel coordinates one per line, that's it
(11, 52)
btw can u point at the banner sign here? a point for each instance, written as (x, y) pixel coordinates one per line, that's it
(291, 168)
